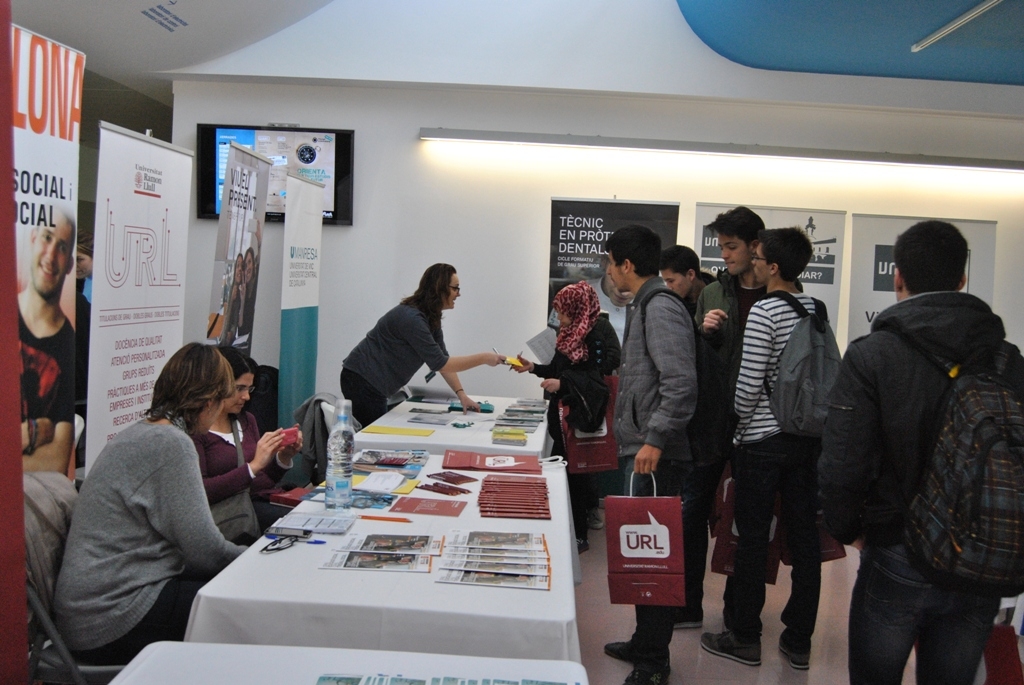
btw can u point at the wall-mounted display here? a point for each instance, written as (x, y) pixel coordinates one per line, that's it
(322, 155)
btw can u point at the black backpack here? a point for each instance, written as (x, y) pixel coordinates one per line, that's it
(964, 526)
(708, 430)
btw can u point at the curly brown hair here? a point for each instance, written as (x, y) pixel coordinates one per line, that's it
(192, 378)
(432, 293)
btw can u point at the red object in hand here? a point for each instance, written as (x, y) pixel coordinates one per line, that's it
(289, 436)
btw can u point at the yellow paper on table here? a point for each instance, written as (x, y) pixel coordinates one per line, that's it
(404, 489)
(399, 430)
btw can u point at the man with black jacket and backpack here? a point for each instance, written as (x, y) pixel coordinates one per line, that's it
(768, 461)
(885, 411)
(657, 398)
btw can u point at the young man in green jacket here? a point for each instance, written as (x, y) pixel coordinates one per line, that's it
(722, 310)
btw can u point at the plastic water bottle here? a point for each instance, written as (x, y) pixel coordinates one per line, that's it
(340, 445)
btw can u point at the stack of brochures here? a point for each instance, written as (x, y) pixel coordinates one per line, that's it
(407, 462)
(508, 436)
(526, 422)
(385, 552)
(516, 560)
(514, 497)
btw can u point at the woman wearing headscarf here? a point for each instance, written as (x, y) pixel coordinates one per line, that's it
(586, 349)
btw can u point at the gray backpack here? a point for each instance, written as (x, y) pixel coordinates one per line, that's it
(808, 368)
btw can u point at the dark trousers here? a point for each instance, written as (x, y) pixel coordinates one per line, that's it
(783, 464)
(368, 404)
(654, 624)
(699, 487)
(582, 486)
(167, 620)
(893, 606)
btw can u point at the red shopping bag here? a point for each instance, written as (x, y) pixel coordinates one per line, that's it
(592, 452)
(723, 559)
(645, 550)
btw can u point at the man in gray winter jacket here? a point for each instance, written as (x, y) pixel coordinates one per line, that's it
(657, 398)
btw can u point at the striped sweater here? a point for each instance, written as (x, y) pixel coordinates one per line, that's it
(769, 326)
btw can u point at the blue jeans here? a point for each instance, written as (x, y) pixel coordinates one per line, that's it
(893, 606)
(785, 464)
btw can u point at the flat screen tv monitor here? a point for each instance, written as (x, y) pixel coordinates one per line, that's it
(320, 154)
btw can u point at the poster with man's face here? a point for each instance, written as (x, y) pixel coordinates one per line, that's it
(47, 84)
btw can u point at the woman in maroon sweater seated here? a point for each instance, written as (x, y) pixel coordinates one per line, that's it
(266, 460)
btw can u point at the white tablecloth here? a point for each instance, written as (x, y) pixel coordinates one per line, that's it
(172, 663)
(285, 599)
(476, 438)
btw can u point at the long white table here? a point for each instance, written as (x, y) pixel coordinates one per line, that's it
(476, 438)
(285, 599)
(171, 663)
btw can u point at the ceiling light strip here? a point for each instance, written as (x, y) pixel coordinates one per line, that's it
(952, 26)
(734, 149)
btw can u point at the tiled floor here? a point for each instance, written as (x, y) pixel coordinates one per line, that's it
(601, 622)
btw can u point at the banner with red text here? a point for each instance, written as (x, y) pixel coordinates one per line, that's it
(47, 117)
(138, 293)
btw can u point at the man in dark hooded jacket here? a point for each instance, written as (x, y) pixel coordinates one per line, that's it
(882, 422)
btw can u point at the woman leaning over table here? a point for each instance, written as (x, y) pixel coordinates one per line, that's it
(266, 461)
(141, 520)
(403, 340)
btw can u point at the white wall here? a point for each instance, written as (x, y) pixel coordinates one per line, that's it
(486, 208)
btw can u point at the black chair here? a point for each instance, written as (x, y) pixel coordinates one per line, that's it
(49, 658)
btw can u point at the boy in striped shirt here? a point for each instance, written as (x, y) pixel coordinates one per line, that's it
(768, 461)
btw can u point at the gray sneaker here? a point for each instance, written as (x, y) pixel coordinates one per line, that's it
(798, 660)
(726, 645)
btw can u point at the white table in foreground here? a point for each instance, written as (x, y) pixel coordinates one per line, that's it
(285, 599)
(475, 438)
(171, 663)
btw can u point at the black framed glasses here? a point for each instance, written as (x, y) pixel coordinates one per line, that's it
(755, 258)
(456, 288)
(279, 543)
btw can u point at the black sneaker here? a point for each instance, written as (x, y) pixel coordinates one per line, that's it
(688, 618)
(798, 660)
(726, 645)
(581, 545)
(623, 651)
(647, 674)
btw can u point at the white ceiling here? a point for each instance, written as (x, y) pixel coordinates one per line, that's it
(122, 43)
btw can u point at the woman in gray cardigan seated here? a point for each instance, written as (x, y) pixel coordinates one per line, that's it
(404, 339)
(142, 519)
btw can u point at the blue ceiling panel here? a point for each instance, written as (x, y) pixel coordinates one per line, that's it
(865, 37)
